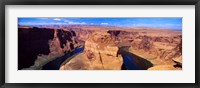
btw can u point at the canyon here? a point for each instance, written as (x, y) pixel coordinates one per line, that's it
(104, 48)
(38, 46)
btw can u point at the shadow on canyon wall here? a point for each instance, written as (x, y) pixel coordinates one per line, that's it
(31, 43)
(34, 42)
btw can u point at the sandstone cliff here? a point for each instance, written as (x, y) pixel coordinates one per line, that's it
(153, 49)
(100, 53)
(38, 46)
(159, 46)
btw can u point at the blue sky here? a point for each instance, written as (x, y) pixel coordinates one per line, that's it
(169, 23)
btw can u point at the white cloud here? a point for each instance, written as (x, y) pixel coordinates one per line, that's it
(104, 23)
(57, 19)
(72, 22)
(76, 23)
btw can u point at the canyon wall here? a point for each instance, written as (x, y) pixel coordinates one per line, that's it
(38, 46)
(161, 47)
(100, 53)
(153, 49)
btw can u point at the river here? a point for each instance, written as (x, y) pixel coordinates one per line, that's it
(132, 61)
(55, 64)
(129, 60)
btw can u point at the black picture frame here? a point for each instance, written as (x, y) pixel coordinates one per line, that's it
(98, 2)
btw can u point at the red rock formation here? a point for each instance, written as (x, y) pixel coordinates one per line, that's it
(163, 48)
(37, 46)
(100, 53)
(156, 45)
